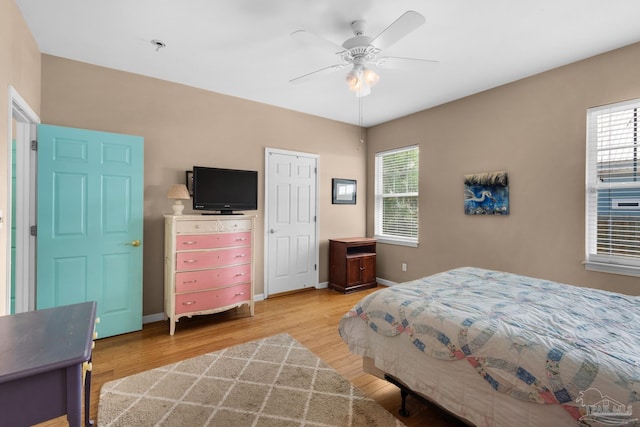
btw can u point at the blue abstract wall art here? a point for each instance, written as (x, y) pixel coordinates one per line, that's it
(486, 194)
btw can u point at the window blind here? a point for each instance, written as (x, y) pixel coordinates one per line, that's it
(396, 191)
(613, 187)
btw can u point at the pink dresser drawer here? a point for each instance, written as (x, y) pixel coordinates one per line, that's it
(211, 241)
(206, 279)
(207, 259)
(200, 301)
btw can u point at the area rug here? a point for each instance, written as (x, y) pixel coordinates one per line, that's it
(273, 382)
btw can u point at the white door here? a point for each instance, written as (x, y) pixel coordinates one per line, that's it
(291, 258)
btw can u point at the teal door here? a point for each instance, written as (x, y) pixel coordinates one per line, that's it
(90, 215)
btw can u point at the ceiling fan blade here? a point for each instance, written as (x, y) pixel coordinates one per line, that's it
(399, 28)
(306, 77)
(313, 39)
(395, 62)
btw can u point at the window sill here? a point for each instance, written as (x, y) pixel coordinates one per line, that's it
(399, 242)
(603, 267)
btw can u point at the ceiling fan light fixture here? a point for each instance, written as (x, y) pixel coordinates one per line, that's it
(371, 77)
(353, 79)
(360, 80)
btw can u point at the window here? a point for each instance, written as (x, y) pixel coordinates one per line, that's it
(613, 189)
(396, 191)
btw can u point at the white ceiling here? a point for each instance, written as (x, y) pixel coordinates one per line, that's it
(243, 48)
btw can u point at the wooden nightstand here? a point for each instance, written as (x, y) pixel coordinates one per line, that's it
(352, 264)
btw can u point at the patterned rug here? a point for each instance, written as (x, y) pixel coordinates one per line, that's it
(273, 382)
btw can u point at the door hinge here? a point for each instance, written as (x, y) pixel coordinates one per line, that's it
(33, 230)
(315, 267)
(34, 145)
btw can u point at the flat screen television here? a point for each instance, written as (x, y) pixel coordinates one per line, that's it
(224, 191)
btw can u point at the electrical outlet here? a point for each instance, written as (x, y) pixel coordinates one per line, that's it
(404, 266)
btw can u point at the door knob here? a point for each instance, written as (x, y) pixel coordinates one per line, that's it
(273, 230)
(135, 243)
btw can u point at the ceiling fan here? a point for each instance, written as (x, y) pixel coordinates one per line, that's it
(361, 52)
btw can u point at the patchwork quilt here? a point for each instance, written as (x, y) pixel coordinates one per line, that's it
(535, 340)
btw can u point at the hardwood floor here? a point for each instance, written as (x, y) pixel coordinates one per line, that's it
(311, 317)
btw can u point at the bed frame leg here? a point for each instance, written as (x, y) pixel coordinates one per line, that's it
(404, 392)
(403, 410)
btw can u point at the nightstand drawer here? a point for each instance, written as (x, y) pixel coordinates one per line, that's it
(205, 279)
(212, 241)
(201, 301)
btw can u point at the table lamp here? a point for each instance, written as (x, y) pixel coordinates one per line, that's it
(178, 192)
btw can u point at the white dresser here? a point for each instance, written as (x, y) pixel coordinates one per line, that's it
(209, 265)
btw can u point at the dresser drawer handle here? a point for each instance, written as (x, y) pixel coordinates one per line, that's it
(184, 282)
(241, 239)
(241, 255)
(190, 261)
(188, 303)
(240, 274)
(239, 294)
(190, 242)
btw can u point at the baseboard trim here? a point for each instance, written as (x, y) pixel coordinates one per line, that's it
(152, 318)
(385, 282)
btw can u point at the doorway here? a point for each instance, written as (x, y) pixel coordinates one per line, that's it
(20, 216)
(291, 227)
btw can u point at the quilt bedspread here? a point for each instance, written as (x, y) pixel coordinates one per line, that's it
(535, 340)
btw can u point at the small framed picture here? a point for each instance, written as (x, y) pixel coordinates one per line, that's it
(189, 182)
(344, 191)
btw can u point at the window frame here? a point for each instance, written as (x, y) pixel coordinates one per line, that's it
(594, 261)
(378, 205)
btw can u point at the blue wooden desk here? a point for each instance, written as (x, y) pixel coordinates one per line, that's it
(41, 357)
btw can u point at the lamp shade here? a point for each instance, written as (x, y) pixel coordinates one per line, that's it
(178, 192)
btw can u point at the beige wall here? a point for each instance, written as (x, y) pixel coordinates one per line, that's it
(20, 68)
(535, 130)
(183, 126)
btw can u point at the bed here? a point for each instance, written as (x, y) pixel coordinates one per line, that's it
(499, 349)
